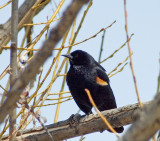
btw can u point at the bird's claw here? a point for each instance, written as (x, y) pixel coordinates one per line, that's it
(74, 120)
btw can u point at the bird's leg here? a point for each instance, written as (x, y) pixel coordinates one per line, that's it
(74, 120)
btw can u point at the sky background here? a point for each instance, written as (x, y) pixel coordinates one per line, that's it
(143, 21)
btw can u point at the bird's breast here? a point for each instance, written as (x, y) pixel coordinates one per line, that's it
(80, 76)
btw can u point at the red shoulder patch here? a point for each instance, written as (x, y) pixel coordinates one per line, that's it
(101, 82)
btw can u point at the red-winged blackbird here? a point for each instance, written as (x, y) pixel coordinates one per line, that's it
(84, 73)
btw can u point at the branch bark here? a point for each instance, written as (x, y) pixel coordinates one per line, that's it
(88, 124)
(13, 63)
(40, 57)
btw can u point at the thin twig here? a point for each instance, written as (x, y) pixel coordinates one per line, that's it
(117, 50)
(118, 65)
(53, 103)
(118, 70)
(31, 24)
(59, 93)
(44, 2)
(63, 83)
(58, 98)
(3, 88)
(5, 4)
(101, 49)
(99, 113)
(93, 36)
(130, 55)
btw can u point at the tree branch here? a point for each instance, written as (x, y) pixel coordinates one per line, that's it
(13, 63)
(40, 57)
(88, 124)
(147, 124)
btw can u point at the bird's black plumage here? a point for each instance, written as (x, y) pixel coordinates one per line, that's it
(84, 73)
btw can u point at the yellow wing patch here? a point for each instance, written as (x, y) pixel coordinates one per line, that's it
(101, 82)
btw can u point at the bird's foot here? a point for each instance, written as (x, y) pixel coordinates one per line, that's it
(74, 120)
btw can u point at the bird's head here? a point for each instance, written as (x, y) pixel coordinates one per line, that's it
(79, 57)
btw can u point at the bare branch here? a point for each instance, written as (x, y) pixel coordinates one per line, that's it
(13, 63)
(88, 124)
(130, 55)
(40, 57)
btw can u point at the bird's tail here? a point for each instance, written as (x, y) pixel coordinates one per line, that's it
(118, 130)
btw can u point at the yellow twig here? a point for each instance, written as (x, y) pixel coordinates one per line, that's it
(80, 25)
(40, 85)
(59, 98)
(41, 23)
(5, 4)
(39, 79)
(64, 80)
(5, 93)
(40, 4)
(93, 36)
(59, 93)
(53, 103)
(99, 113)
(62, 74)
(118, 65)
(117, 49)
(3, 89)
(28, 49)
(118, 70)
(27, 31)
(72, 32)
(5, 127)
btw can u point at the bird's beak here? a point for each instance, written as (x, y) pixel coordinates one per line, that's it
(69, 56)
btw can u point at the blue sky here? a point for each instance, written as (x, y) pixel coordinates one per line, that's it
(143, 21)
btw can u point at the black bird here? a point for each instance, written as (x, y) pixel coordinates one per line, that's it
(84, 73)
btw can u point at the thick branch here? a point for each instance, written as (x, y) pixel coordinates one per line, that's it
(40, 57)
(13, 62)
(147, 124)
(88, 124)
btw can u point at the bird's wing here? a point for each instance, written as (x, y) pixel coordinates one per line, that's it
(99, 65)
(102, 78)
